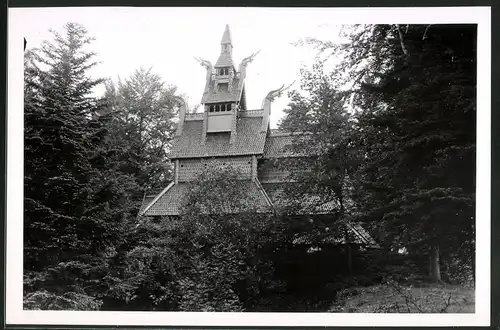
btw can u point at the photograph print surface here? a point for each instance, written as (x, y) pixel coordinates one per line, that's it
(314, 169)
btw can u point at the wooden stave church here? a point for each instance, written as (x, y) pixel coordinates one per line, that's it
(227, 133)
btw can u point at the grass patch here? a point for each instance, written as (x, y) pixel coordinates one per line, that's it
(397, 298)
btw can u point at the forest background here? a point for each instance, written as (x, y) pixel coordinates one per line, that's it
(397, 152)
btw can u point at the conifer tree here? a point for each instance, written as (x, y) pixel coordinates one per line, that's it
(428, 158)
(73, 210)
(142, 110)
(412, 91)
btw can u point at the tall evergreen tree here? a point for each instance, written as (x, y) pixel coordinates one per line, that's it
(143, 108)
(413, 89)
(139, 118)
(429, 166)
(319, 110)
(69, 224)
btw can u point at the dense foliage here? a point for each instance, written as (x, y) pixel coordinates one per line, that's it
(392, 130)
(67, 226)
(209, 258)
(142, 109)
(407, 93)
(83, 178)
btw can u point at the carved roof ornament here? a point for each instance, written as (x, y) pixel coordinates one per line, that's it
(276, 93)
(249, 59)
(181, 100)
(243, 65)
(225, 83)
(207, 65)
(231, 78)
(183, 106)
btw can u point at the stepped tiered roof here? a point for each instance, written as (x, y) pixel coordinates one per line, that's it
(227, 133)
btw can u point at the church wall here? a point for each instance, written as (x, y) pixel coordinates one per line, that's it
(190, 169)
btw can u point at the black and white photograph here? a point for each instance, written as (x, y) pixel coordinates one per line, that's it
(217, 163)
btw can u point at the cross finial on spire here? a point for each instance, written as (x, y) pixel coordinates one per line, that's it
(226, 37)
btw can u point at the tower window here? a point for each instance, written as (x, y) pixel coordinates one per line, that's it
(217, 108)
(211, 108)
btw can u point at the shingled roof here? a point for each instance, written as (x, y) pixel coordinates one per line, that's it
(280, 145)
(172, 199)
(249, 140)
(308, 204)
(146, 201)
(222, 95)
(355, 231)
(167, 202)
(225, 60)
(170, 202)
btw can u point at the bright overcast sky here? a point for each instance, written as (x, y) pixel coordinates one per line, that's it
(167, 39)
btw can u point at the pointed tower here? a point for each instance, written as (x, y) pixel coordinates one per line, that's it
(223, 95)
(225, 61)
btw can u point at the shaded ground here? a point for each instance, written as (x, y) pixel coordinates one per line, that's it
(394, 298)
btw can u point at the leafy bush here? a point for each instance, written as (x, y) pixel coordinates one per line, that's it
(44, 300)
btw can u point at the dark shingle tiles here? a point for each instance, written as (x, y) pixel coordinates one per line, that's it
(309, 204)
(223, 95)
(280, 145)
(171, 202)
(224, 60)
(147, 199)
(356, 233)
(249, 140)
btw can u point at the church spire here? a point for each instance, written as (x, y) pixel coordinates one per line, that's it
(226, 51)
(226, 37)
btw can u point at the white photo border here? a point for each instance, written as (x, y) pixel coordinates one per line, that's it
(409, 15)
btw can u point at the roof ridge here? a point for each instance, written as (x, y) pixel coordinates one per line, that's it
(263, 191)
(158, 197)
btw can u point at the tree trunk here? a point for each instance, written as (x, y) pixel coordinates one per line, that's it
(401, 40)
(381, 233)
(434, 270)
(349, 258)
